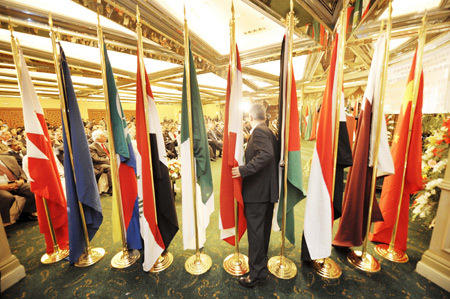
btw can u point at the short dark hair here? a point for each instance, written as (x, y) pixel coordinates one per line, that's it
(258, 112)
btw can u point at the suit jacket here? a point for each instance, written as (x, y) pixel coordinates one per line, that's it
(3, 148)
(98, 155)
(11, 163)
(260, 174)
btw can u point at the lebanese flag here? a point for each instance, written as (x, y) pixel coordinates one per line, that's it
(318, 210)
(412, 177)
(153, 242)
(233, 155)
(44, 177)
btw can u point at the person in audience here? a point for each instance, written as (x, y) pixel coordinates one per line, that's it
(100, 156)
(215, 143)
(13, 181)
(3, 124)
(15, 150)
(5, 135)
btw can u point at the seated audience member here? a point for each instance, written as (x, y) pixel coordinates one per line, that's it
(5, 135)
(215, 143)
(15, 150)
(13, 182)
(100, 156)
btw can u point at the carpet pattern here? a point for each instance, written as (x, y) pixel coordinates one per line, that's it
(61, 280)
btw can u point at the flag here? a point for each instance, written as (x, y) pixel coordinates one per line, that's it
(165, 202)
(390, 194)
(295, 191)
(153, 241)
(314, 125)
(353, 223)
(81, 186)
(318, 212)
(233, 156)
(202, 167)
(126, 164)
(44, 178)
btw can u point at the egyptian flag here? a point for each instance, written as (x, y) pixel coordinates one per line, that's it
(353, 223)
(203, 178)
(165, 202)
(81, 185)
(390, 194)
(126, 161)
(295, 191)
(233, 156)
(44, 178)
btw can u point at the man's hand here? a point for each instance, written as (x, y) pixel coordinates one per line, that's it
(235, 172)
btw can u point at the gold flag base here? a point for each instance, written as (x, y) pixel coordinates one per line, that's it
(392, 254)
(236, 264)
(327, 268)
(125, 258)
(90, 257)
(366, 263)
(198, 264)
(164, 261)
(54, 257)
(282, 267)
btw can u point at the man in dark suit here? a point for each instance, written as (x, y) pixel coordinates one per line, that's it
(100, 156)
(259, 192)
(13, 182)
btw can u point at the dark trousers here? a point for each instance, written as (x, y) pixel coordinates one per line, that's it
(23, 190)
(259, 224)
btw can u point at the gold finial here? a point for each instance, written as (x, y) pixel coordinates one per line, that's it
(292, 6)
(184, 8)
(138, 14)
(50, 20)
(10, 27)
(232, 8)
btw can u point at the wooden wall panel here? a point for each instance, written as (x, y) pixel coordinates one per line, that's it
(13, 117)
(53, 116)
(97, 114)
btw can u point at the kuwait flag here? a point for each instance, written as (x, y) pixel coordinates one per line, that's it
(126, 164)
(44, 177)
(356, 203)
(318, 210)
(233, 155)
(202, 167)
(390, 194)
(153, 242)
(295, 191)
(165, 203)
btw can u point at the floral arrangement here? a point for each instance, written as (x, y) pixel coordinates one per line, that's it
(174, 169)
(434, 161)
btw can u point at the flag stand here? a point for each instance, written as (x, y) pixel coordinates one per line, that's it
(362, 259)
(280, 266)
(57, 253)
(235, 264)
(326, 267)
(124, 258)
(389, 252)
(166, 258)
(198, 263)
(91, 255)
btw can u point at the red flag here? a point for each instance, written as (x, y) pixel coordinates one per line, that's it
(390, 194)
(233, 155)
(44, 177)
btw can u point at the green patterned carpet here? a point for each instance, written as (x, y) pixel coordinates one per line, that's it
(101, 281)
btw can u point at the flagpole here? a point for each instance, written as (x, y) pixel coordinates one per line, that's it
(235, 264)
(57, 253)
(281, 266)
(327, 267)
(91, 255)
(362, 259)
(389, 251)
(125, 258)
(200, 262)
(166, 258)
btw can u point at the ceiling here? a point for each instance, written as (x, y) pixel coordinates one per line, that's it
(259, 30)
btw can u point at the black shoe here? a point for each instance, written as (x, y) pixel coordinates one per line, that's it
(248, 282)
(25, 217)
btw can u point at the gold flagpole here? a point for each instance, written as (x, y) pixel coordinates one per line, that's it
(389, 251)
(327, 267)
(57, 253)
(362, 259)
(166, 258)
(125, 258)
(200, 262)
(235, 264)
(281, 266)
(91, 255)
